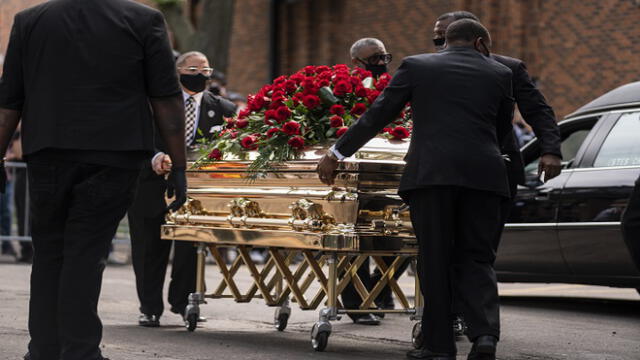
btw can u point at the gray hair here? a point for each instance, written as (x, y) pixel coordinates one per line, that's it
(362, 43)
(183, 58)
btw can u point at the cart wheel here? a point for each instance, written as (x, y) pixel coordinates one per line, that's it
(320, 341)
(192, 322)
(320, 335)
(281, 322)
(416, 335)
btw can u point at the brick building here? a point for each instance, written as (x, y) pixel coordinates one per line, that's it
(576, 49)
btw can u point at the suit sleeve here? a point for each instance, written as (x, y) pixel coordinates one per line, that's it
(12, 94)
(505, 113)
(227, 107)
(159, 67)
(384, 110)
(536, 112)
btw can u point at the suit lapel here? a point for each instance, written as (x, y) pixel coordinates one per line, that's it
(207, 116)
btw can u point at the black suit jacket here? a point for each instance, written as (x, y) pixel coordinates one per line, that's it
(535, 111)
(149, 201)
(462, 108)
(82, 73)
(213, 110)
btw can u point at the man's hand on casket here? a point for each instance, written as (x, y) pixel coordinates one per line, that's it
(177, 186)
(327, 169)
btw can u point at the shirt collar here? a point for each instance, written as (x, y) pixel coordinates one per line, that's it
(197, 97)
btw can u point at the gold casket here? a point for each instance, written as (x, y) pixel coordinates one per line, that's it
(292, 214)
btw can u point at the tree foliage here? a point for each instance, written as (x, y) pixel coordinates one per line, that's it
(209, 31)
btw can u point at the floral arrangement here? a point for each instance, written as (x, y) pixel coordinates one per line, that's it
(316, 105)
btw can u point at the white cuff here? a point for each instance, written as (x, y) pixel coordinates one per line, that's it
(155, 156)
(336, 153)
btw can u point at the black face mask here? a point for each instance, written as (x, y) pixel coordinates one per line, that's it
(376, 70)
(196, 83)
(439, 42)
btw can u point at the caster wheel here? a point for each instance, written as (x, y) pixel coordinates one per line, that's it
(192, 322)
(416, 335)
(320, 341)
(281, 322)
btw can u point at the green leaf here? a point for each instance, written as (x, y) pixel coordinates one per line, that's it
(327, 97)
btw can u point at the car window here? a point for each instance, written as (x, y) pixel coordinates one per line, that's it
(569, 147)
(622, 145)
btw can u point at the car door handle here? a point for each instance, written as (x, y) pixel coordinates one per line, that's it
(543, 194)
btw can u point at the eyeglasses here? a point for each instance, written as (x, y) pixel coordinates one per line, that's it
(193, 70)
(375, 59)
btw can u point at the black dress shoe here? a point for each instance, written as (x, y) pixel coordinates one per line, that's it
(367, 319)
(149, 320)
(427, 354)
(484, 348)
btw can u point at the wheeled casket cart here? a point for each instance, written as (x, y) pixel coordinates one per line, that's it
(312, 233)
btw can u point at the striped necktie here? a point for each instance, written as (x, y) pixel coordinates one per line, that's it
(190, 123)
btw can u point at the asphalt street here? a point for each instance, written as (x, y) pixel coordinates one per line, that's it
(540, 321)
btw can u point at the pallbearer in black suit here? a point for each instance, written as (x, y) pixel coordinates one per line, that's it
(204, 116)
(84, 76)
(535, 111)
(454, 178)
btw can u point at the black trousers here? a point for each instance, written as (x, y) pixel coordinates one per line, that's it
(75, 211)
(631, 224)
(456, 229)
(150, 254)
(19, 195)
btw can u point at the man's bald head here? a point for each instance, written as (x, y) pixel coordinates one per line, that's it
(469, 33)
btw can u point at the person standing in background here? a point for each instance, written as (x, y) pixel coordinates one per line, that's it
(150, 254)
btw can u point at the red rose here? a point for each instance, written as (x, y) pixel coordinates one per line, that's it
(290, 86)
(249, 142)
(242, 123)
(341, 67)
(309, 70)
(296, 142)
(336, 121)
(215, 154)
(270, 115)
(322, 68)
(382, 83)
(279, 80)
(361, 91)
(311, 90)
(372, 96)
(358, 109)
(342, 88)
(355, 81)
(243, 113)
(297, 78)
(322, 83)
(341, 131)
(337, 109)
(291, 128)
(272, 132)
(256, 102)
(282, 113)
(399, 132)
(311, 101)
(362, 73)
